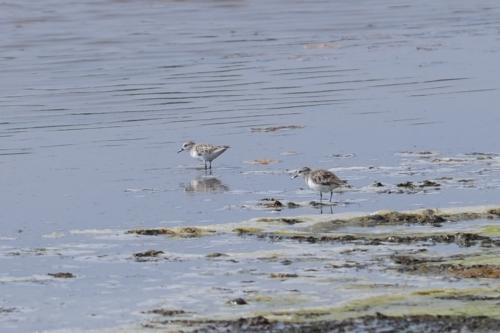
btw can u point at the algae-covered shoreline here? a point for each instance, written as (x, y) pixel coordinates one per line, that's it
(430, 269)
(471, 266)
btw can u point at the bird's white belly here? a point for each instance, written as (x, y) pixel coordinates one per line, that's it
(210, 157)
(318, 187)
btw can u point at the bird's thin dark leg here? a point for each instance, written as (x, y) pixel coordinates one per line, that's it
(210, 165)
(320, 196)
(205, 165)
(331, 194)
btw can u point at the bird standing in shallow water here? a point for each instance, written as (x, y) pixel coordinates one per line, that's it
(203, 151)
(321, 180)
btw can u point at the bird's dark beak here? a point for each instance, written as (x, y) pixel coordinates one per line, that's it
(180, 150)
(295, 176)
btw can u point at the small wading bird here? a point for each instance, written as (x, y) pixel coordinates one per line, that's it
(321, 180)
(203, 151)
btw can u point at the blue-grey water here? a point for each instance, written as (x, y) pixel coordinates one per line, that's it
(96, 97)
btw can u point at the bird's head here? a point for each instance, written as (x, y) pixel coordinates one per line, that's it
(186, 146)
(302, 172)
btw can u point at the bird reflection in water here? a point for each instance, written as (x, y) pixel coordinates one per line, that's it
(326, 210)
(207, 183)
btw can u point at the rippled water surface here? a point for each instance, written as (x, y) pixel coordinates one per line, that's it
(96, 97)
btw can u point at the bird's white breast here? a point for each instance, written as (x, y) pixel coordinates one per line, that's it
(194, 154)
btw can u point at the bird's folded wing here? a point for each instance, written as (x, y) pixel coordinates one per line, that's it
(327, 178)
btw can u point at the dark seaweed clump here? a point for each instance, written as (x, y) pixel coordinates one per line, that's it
(437, 266)
(285, 220)
(150, 253)
(271, 203)
(369, 324)
(427, 217)
(185, 232)
(62, 275)
(462, 239)
(237, 301)
(166, 312)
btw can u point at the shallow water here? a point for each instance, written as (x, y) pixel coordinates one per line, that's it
(96, 98)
